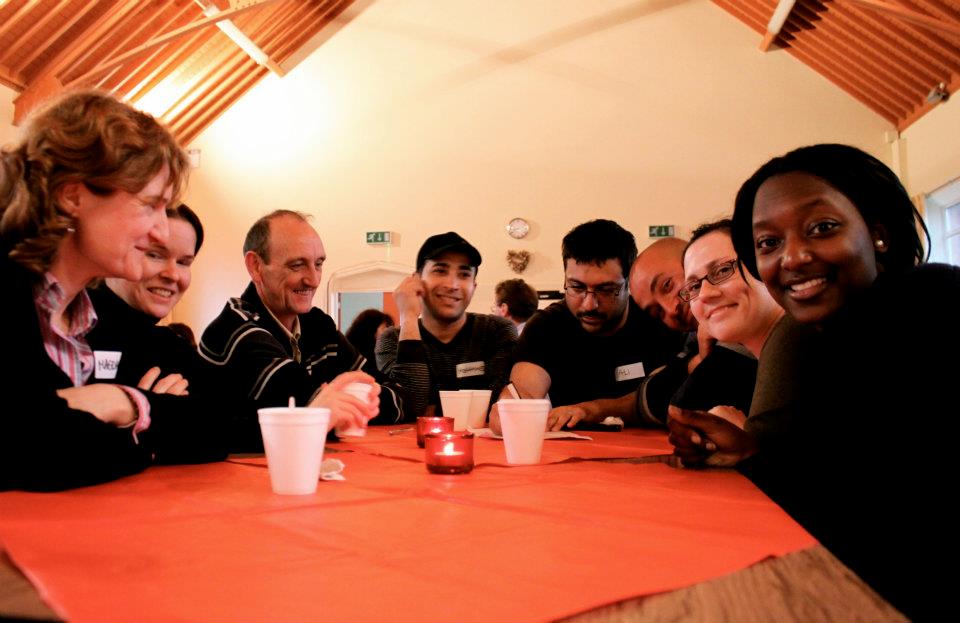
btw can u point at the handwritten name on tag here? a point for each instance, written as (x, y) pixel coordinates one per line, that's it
(107, 362)
(470, 368)
(629, 371)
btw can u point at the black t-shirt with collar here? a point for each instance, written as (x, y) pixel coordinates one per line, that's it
(583, 366)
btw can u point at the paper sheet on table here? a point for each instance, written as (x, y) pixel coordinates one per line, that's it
(487, 433)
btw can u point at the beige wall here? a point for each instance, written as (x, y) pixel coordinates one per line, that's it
(932, 148)
(419, 120)
(8, 133)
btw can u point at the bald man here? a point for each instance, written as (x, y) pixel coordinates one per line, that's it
(655, 281)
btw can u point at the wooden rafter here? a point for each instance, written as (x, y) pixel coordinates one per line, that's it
(951, 27)
(30, 32)
(168, 37)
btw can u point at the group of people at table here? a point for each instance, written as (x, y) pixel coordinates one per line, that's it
(796, 341)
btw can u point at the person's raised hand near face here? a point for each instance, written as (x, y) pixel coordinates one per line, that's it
(409, 299)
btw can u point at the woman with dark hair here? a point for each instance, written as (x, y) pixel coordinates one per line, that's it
(153, 357)
(365, 329)
(166, 267)
(81, 197)
(862, 454)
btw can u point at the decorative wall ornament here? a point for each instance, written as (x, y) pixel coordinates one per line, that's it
(518, 260)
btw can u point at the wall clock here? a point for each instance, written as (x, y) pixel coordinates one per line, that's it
(518, 228)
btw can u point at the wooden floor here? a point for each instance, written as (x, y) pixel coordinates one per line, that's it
(809, 586)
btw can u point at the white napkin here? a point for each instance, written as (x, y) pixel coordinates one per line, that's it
(550, 434)
(332, 469)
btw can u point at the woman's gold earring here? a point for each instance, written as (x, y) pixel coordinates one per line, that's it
(880, 244)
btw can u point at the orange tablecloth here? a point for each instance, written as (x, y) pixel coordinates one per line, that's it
(393, 542)
(602, 445)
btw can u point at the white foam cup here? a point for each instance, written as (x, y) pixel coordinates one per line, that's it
(479, 402)
(456, 404)
(360, 391)
(524, 423)
(293, 439)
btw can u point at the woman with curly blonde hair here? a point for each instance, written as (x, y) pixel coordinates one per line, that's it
(81, 197)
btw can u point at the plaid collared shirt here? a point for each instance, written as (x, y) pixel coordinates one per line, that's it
(69, 349)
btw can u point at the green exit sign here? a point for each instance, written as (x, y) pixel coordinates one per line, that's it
(378, 237)
(661, 231)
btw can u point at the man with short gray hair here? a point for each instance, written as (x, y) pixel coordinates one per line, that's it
(271, 342)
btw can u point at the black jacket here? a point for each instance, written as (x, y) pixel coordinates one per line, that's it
(253, 354)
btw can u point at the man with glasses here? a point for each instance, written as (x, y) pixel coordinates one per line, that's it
(591, 351)
(439, 345)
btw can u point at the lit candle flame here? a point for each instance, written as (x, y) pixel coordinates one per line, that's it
(448, 448)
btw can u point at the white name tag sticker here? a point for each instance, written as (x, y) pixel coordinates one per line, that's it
(107, 363)
(470, 368)
(629, 371)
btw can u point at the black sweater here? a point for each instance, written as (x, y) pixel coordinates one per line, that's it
(193, 428)
(44, 444)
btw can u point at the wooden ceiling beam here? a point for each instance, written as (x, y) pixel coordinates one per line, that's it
(11, 79)
(141, 85)
(885, 110)
(40, 49)
(780, 15)
(242, 40)
(838, 36)
(915, 40)
(170, 36)
(225, 100)
(111, 45)
(737, 10)
(194, 98)
(905, 66)
(289, 24)
(14, 45)
(254, 22)
(91, 40)
(211, 103)
(915, 17)
(17, 16)
(836, 52)
(862, 88)
(841, 79)
(945, 12)
(182, 16)
(329, 13)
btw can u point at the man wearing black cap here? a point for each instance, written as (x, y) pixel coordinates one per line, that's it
(438, 345)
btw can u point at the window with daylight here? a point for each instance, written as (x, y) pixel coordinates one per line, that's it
(942, 207)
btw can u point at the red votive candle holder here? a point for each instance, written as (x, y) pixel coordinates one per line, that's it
(432, 425)
(449, 453)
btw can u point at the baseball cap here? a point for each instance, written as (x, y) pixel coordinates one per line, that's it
(437, 245)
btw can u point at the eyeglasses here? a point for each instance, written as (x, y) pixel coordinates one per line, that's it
(717, 274)
(606, 293)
